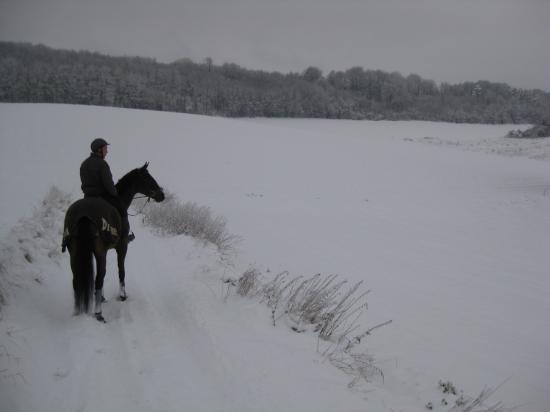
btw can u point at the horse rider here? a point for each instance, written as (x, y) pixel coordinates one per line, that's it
(97, 181)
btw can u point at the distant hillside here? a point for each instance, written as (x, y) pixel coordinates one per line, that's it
(30, 73)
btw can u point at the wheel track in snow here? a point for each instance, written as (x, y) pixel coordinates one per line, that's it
(164, 340)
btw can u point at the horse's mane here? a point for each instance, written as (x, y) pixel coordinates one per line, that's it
(127, 180)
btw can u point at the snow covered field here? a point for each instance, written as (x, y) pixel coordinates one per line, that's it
(448, 225)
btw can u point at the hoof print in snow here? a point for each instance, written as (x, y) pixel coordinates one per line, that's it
(60, 374)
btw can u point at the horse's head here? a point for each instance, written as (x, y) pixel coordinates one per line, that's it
(147, 185)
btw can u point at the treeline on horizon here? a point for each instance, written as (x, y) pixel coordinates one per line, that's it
(36, 73)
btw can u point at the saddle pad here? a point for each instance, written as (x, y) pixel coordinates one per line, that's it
(101, 213)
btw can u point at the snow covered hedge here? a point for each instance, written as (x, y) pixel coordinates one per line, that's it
(31, 241)
(173, 217)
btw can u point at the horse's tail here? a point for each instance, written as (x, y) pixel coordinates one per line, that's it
(82, 265)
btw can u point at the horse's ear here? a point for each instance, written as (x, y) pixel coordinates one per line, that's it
(145, 166)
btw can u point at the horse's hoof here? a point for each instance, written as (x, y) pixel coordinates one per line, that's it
(122, 298)
(100, 317)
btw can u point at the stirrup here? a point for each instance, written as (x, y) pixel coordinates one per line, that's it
(131, 237)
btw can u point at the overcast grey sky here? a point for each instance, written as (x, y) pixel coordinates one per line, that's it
(445, 40)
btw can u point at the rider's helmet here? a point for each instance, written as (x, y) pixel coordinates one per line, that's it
(98, 144)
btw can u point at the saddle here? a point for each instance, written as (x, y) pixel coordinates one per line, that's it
(104, 217)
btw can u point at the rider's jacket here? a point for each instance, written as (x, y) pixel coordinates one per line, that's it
(96, 177)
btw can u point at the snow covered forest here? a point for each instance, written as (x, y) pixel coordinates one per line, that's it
(39, 74)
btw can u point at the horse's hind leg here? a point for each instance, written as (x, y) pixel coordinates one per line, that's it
(121, 251)
(101, 267)
(75, 267)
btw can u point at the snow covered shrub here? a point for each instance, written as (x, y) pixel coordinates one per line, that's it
(176, 218)
(360, 366)
(321, 305)
(247, 283)
(537, 131)
(478, 404)
(311, 299)
(274, 291)
(320, 302)
(465, 403)
(515, 133)
(447, 387)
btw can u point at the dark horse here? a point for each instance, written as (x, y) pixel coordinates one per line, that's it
(84, 236)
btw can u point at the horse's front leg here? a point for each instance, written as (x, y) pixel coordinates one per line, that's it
(121, 251)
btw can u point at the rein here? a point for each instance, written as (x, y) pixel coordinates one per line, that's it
(145, 204)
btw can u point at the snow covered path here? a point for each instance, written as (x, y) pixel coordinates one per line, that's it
(174, 345)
